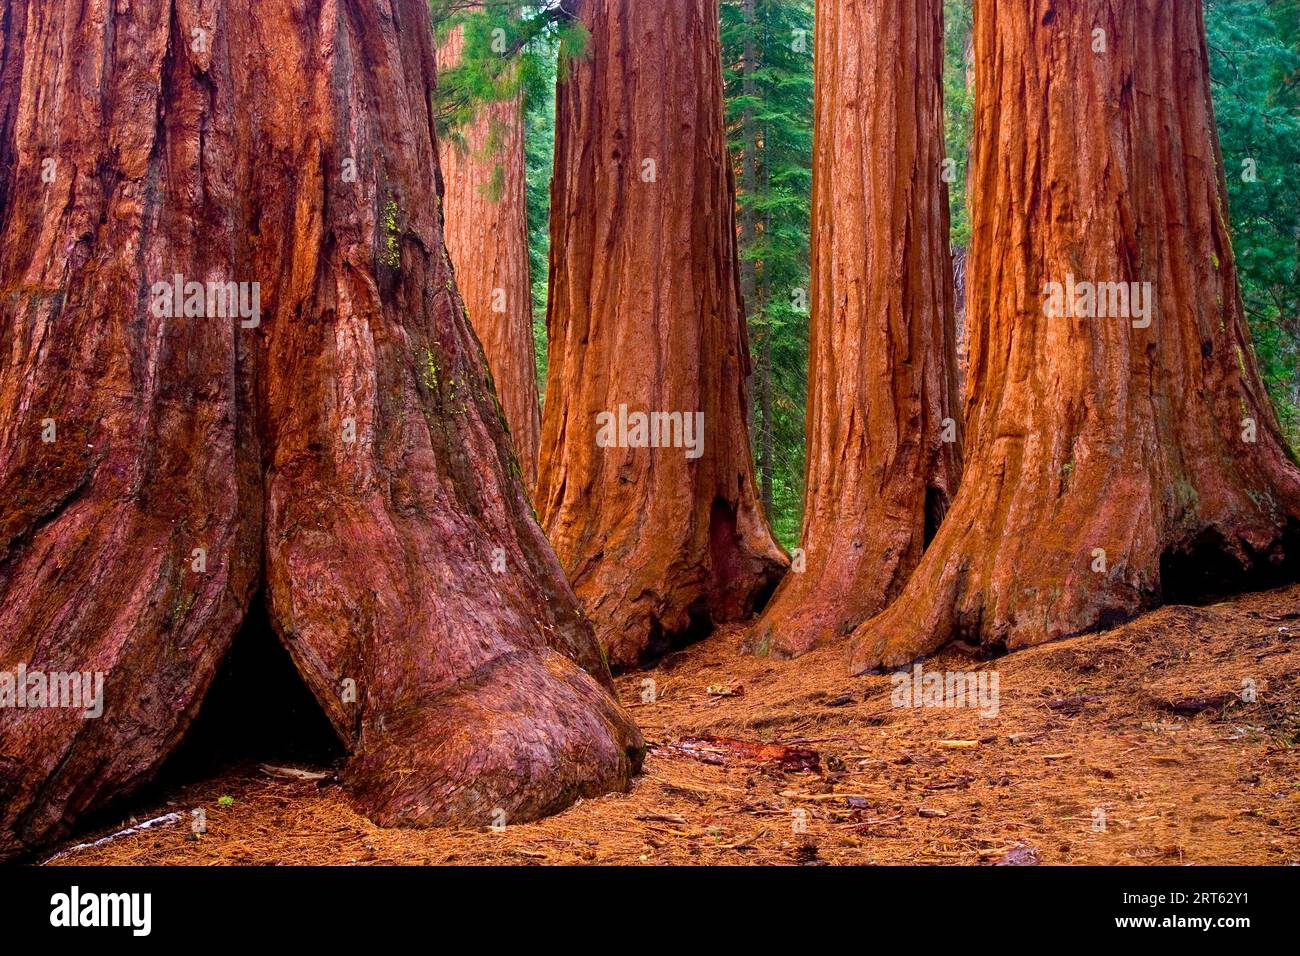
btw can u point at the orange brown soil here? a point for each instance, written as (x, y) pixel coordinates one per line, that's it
(1221, 786)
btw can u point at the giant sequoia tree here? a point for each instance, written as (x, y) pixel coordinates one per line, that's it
(485, 214)
(340, 449)
(1121, 447)
(882, 466)
(644, 312)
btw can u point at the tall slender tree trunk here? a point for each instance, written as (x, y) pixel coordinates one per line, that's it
(644, 312)
(882, 465)
(485, 211)
(748, 215)
(959, 253)
(1115, 460)
(340, 447)
(748, 161)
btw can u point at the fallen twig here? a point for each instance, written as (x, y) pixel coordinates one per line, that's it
(125, 831)
(662, 818)
(291, 773)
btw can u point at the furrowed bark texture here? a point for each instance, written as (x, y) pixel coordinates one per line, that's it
(1107, 465)
(346, 452)
(645, 311)
(485, 212)
(882, 354)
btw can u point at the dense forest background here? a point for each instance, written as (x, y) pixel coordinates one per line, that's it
(768, 64)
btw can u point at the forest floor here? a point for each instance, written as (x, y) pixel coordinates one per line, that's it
(1128, 746)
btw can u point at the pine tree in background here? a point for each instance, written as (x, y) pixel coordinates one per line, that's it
(958, 110)
(1255, 72)
(508, 46)
(539, 160)
(768, 69)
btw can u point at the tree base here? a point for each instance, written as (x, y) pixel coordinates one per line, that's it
(1004, 605)
(521, 740)
(827, 603)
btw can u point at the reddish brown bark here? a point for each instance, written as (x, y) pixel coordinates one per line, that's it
(346, 451)
(645, 311)
(881, 351)
(1106, 466)
(485, 212)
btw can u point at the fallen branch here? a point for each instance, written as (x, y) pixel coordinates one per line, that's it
(126, 831)
(818, 797)
(291, 773)
(745, 844)
(718, 750)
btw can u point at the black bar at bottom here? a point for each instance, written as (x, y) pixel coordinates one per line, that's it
(718, 906)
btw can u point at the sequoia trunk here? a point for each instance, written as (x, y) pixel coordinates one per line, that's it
(159, 459)
(882, 464)
(1122, 448)
(485, 212)
(645, 313)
